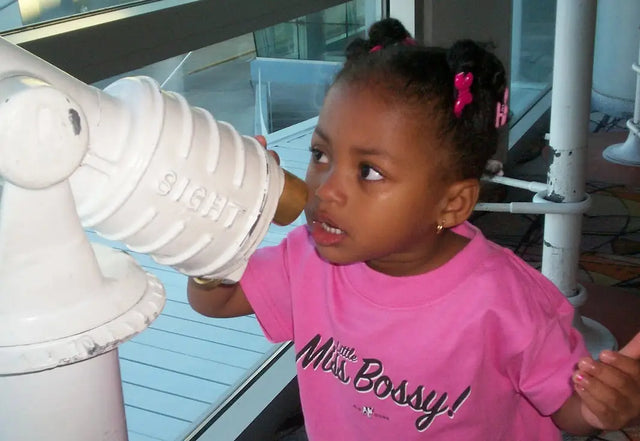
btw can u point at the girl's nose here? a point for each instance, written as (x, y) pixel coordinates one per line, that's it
(331, 187)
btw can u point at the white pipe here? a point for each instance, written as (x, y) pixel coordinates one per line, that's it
(518, 183)
(569, 131)
(570, 109)
(538, 206)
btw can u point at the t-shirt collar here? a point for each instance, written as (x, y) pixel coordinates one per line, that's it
(420, 289)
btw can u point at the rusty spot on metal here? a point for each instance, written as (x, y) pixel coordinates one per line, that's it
(554, 197)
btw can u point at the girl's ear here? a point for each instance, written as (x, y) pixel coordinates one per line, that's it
(459, 201)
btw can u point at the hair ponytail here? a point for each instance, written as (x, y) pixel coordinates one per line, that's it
(384, 33)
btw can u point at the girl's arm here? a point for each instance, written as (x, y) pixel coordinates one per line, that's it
(606, 392)
(218, 301)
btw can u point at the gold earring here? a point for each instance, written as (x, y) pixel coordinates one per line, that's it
(440, 227)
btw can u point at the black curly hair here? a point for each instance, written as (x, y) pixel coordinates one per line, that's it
(423, 77)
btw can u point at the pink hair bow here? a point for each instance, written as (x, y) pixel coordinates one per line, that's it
(463, 84)
(502, 110)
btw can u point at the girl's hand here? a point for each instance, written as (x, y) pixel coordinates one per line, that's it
(263, 142)
(610, 387)
(294, 194)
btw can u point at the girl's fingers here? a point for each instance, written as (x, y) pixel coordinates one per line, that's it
(619, 361)
(605, 392)
(262, 140)
(600, 408)
(593, 411)
(618, 375)
(594, 389)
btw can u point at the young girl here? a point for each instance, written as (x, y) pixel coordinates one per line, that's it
(408, 324)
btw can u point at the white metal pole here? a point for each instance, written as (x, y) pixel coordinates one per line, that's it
(570, 109)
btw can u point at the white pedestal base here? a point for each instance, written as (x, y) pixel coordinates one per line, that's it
(627, 153)
(77, 402)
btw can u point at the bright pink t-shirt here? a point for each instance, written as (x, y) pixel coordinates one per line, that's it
(481, 348)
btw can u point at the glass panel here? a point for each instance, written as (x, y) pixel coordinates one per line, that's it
(532, 53)
(292, 92)
(15, 14)
(185, 366)
(319, 36)
(216, 78)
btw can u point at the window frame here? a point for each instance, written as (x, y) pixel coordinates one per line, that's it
(105, 43)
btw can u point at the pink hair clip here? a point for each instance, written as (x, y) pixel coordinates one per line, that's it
(502, 110)
(463, 84)
(376, 48)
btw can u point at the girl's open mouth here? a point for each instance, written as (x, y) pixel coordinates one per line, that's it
(325, 234)
(330, 229)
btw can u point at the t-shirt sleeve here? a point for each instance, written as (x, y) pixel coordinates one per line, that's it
(265, 282)
(546, 364)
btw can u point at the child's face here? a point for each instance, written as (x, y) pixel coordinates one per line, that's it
(376, 186)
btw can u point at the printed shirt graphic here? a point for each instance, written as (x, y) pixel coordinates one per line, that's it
(480, 348)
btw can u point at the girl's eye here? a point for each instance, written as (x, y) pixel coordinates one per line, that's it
(369, 173)
(318, 156)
